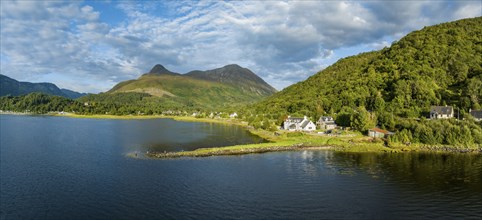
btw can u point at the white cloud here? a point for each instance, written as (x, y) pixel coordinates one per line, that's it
(282, 41)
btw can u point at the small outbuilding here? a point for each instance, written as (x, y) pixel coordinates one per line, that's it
(379, 133)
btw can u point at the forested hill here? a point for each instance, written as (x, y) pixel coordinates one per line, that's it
(438, 65)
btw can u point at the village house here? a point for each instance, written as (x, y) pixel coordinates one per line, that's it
(378, 133)
(326, 123)
(298, 124)
(439, 112)
(477, 114)
(234, 115)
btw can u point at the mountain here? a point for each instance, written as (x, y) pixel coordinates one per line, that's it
(72, 94)
(159, 69)
(226, 86)
(236, 76)
(437, 65)
(9, 86)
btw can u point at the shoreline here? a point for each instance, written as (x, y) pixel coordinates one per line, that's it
(278, 141)
(142, 117)
(226, 151)
(240, 150)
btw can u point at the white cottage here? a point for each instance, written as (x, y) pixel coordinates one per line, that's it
(438, 112)
(298, 124)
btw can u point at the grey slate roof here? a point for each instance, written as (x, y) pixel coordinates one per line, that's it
(476, 114)
(445, 110)
(305, 123)
(294, 120)
(326, 118)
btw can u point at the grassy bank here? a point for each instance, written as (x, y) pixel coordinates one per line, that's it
(293, 141)
(287, 141)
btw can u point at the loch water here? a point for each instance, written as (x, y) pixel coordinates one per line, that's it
(66, 168)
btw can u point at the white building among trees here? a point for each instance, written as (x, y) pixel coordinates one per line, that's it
(438, 112)
(298, 124)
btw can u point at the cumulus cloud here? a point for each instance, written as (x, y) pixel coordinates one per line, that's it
(44, 39)
(282, 41)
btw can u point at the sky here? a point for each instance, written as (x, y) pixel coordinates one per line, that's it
(89, 46)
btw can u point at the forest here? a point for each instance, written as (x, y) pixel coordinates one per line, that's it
(395, 87)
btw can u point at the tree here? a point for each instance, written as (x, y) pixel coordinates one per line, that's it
(344, 117)
(362, 120)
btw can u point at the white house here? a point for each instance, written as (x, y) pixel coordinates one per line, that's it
(298, 124)
(326, 123)
(234, 115)
(439, 112)
(477, 114)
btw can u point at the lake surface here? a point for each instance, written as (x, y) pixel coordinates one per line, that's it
(64, 168)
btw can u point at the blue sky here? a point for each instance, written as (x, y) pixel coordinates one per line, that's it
(89, 46)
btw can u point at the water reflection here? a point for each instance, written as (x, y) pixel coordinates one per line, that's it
(429, 171)
(160, 135)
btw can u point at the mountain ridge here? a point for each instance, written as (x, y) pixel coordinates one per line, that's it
(234, 74)
(221, 87)
(10, 86)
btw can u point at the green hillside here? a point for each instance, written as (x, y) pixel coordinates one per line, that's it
(438, 65)
(236, 76)
(173, 91)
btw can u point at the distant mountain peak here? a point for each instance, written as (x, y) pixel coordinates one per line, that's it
(9, 86)
(233, 66)
(160, 69)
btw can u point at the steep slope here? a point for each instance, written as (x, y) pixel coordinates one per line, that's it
(236, 76)
(437, 65)
(159, 69)
(227, 86)
(9, 86)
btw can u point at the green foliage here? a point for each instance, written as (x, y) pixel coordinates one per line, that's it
(362, 120)
(433, 132)
(39, 103)
(434, 66)
(344, 117)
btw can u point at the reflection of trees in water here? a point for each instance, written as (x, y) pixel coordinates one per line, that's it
(181, 136)
(431, 171)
